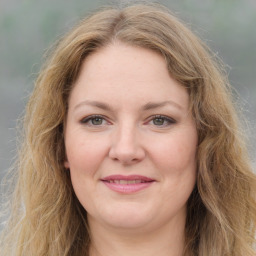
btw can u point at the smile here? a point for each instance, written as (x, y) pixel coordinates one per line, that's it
(127, 184)
(127, 181)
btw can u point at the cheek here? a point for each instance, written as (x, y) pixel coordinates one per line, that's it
(176, 153)
(85, 153)
(176, 162)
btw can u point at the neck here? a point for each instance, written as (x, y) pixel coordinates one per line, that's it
(164, 241)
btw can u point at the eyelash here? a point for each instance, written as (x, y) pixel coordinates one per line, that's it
(87, 119)
(165, 119)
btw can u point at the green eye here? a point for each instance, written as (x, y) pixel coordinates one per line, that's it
(162, 121)
(158, 121)
(97, 121)
(94, 120)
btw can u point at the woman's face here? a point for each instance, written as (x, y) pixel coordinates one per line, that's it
(130, 140)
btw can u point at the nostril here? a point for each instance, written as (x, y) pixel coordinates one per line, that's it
(125, 148)
(126, 157)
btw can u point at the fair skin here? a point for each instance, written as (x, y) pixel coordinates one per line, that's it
(131, 145)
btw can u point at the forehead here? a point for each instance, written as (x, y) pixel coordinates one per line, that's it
(119, 72)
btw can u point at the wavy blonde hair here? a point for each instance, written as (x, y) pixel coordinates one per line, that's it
(46, 217)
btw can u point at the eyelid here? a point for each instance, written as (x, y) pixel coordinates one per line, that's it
(86, 119)
(170, 120)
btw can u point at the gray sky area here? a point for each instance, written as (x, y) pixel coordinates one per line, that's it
(29, 27)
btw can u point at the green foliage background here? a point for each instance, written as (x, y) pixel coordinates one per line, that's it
(29, 27)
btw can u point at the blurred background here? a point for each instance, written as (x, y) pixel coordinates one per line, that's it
(29, 27)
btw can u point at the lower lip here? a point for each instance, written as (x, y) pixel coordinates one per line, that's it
(127, 188)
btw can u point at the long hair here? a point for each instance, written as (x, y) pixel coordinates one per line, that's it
(46, 217)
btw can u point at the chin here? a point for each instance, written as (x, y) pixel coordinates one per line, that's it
(125, 217)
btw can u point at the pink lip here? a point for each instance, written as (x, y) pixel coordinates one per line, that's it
(127, 184)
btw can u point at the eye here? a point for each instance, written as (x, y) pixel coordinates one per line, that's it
(162, 121)
(94, 120)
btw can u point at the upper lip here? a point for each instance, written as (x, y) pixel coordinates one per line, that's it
(127, 177)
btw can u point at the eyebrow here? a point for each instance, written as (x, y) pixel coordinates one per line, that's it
(97, 104)
(148, 106)
(153, 105)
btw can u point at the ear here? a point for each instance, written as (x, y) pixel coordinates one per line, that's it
(66, 164)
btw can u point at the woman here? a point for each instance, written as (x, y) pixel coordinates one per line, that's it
(132, 147)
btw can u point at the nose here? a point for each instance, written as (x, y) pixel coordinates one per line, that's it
(125, 146)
